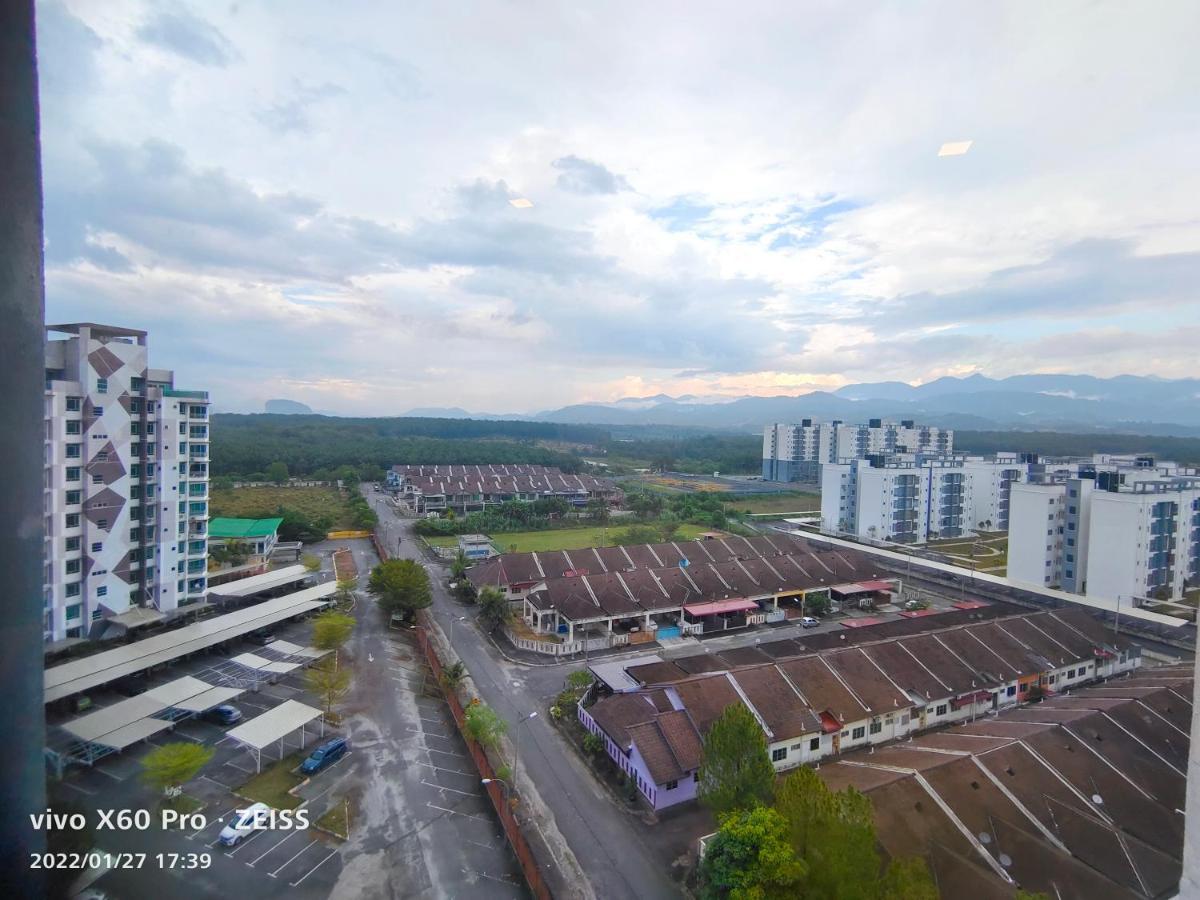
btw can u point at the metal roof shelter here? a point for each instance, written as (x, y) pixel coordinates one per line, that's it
(614, 675)
(720, 606)
(255, 584)
(223, 527)
(258, 663)
(274, 725)
(93, 671)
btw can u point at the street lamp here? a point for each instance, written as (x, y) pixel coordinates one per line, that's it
(517, 752)
(504, 784)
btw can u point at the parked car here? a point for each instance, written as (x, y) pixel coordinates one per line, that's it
(809, 622)
(262, 637)
(244, 823)
(325, 755)
(132, 685)
(914, 604)
(225, 714)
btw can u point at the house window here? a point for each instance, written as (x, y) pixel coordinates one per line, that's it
(72, 426)
(102, 591)
(858, 733)
(876, 727)
(73, 404)
(671, 785)
(1012, 690)
(814, 744)
(1070, 673)
(941, 710)
(101, 385)
(779, 755)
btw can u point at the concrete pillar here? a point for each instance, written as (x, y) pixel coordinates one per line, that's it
(570, 632)
(610, 624)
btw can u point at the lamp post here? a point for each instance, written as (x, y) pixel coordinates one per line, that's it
(517, 741)
(504, 784)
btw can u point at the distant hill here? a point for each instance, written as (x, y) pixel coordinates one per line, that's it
(287, 408)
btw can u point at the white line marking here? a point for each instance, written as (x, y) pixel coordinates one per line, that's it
(277, 871)
(455, 771)
(220, 818)
(109, 774)
(273, 846)
(457, 813)
(314, 868)
(442, 787)
(245, 842)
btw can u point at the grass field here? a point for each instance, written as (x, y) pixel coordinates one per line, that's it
(271, 786)
(572, 538)
(262, 502)
(779, 503)
(991, 551)
(449, 540)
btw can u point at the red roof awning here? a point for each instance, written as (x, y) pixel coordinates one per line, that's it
(968, 604)
(976, 697)
(829, 724)
(720, 606)
(918, 613)
(862, 587)
(876, 585)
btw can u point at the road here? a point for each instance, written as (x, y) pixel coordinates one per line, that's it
(613, 847)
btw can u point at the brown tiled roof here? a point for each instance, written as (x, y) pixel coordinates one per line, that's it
(706, 697)
(779, 706)
(656, 673)
(669, 745)
(822, 690)
(616, 713)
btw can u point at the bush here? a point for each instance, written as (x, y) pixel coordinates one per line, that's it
(592, 743)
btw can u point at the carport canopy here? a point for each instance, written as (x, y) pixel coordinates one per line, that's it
(101, 668)
(273, 725)
(246, 587)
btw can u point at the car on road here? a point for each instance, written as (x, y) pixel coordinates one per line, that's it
(244, 823)
(809, 622)
(225, 714)
(262, 637)
(325, 755)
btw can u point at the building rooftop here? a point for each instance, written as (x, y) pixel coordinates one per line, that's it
(97, 329)
(227, 528)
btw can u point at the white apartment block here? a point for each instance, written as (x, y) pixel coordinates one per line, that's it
(1118, 538)
(125, 484)
(797, 452)
(910, 499)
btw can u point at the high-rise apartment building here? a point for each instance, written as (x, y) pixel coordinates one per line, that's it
(797, 452)
(1118, 535)
(125, 483)
(911, 498)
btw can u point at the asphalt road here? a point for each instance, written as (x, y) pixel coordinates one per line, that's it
(613, 847)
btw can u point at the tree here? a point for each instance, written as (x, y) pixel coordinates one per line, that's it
(735, 772)
(310, 562)
(484, 725)
(907, 879)
(345, 591)
(453, 675)
(637, 534)
(331, 629)
(598, 510)
(494, 610)
(833, 833)
(750, 857)
(232, 553)
(401, 587)
(277, 472)
(592, 743)
(170, 765)
(817, 605)
(458, 568)
(329, 683)
(579, 680)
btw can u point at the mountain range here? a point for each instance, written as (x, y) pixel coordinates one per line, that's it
(1126, 403)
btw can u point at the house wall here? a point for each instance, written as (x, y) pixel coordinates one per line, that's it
(632, 764)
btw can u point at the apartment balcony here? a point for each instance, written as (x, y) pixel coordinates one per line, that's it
(198, 452)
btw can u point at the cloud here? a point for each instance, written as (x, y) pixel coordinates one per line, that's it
(178, 31)
(582, 176)
(293, 114)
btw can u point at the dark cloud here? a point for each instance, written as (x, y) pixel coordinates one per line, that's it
(1086, 278)
(582, 176)
(183, 34)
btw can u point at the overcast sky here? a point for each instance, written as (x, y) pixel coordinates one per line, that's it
(311, 200)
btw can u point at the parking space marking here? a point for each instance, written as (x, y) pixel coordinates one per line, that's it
(285, 865)
(444, 737)
(245, 842)
(442, 787)
(455, 771)
(286, 837)
(432, 721)
(109, 774)
(457, 813)
(332, 853)
(234, 765)
(498, 878)
(220, 818)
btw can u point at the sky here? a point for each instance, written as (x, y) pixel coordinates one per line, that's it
(312, 201)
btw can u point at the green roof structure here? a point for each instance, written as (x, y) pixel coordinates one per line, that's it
(221, 528)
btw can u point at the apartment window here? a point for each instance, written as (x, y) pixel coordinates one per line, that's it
(101, 456)
(135, 428)
(72, 544)
(102, 591)
(73, 473)
(150, 449)
(97, 479)
(72, 567)
(72, 426)
(1050, 517)
(73, 451)
(102, 524)
(135, 406)
(149, 428)
(1070, 557)
(135, 471)
(72, 520)
(1070, 542)
(135, 450)
(876, 727)
(858, 733)
(74, 611)
(73, 589)
(779, 755)
(1070, 526)
(135, 534)
(814, 744)
(101, 385)
(73, 498)
(1071, 510)
(941, 710)
(97, 546)
(1070, 573)
(97, 411)
(135, 492)
(74, 404)
(137, 384)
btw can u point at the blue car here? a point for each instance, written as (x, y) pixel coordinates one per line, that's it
(226, 714)
(325, 755)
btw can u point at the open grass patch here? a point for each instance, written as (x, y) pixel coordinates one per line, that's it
(263, 502)
(184, 804)
(339, 819)
(271, 786)
(792, 502)
(576, 538)
(446, 540)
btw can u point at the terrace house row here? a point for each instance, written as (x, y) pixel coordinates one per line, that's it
(824, 704)
(675, 588)
(467, 489)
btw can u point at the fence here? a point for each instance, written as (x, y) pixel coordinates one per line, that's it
(496, 791)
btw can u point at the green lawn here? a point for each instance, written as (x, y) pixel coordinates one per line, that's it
(573, 538)
(273, 784)
(263, 502)
(779, 503)
(449, 540)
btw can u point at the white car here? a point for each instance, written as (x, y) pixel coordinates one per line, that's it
(809, 622)
(245, 822)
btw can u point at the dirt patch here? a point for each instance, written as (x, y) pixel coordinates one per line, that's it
(344, 566)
